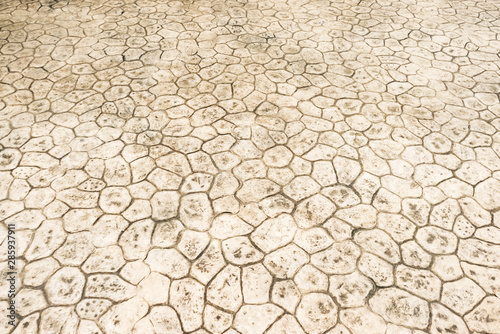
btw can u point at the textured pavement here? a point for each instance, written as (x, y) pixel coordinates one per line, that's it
(251, 166)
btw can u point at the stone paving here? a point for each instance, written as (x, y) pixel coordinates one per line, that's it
(251, 166)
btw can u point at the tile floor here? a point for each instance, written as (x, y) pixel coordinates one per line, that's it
(251, 166)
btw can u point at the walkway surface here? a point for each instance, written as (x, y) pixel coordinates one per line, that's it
(251, 166)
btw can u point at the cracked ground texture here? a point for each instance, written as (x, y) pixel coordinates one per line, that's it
(251, 166)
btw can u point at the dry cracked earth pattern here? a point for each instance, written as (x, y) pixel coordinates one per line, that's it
(251, 166)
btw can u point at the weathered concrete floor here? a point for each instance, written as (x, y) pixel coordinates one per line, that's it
(251, 166)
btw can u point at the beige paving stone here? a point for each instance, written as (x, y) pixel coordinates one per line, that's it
(462, 295)
(256, 318)
(317, 312)
(362, 320)
(400, 307)
(485, 316)
(187, 298)
(251, 167)
(225, 289)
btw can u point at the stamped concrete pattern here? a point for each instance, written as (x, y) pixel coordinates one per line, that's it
(251, 166)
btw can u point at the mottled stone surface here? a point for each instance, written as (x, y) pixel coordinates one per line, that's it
(251, 167)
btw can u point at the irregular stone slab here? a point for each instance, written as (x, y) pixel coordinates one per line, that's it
(139, 209)
(474, 212)
(107, 230)
(436, 240)
(286, 294)
(215, 320)
(154, 289)
(313, 211)
(317, 313)
(278, 156)
(380, 271)
(26, 219)
(134, 272)
(169, 262)
(114, 200)
(486, 316)
(310, 279)
(421, 282)
(256, 189)
(347, 170)
(164, 180)
(414, 255)
(341, 196)
(286, 261)
(224, 184)
(431, 174)
(366, 185)
(107, 259)
(209, 263)
(136, 239)
(29, 301)
(196, 212)
(193, 243)
(117, 172)
(65, 287)
(80, 219)
(473, 172)
(256, 284)
(401, 308)
(28, 324)
(444, 214)
(166, 233)
(286, 325)
(417, 210)
(445, 321)
(197, 182)
(461, 296)
(187, 297)
(225, 289)
(165, 205)
(48, 237)
(387, 201)
(59, 319)
(379, 243)
(313, 240)
(274, 233)
(9, 159)
(363, 321)
(402, 187)
(447, 267)
(479, 252)
(92, 309)
(75, 249)
(122, 317)
(250, 169)
(227, 226)
(487, 278)
(302, 142)
(38, 272)
(275, 205)
(398, 227)
(240, 251)
(255, 319)
(161, 319)
(75, 198)
(350, 290)
(301, 187)
(360, 216)
(339, 259)
(487, 193)
(108, 286)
